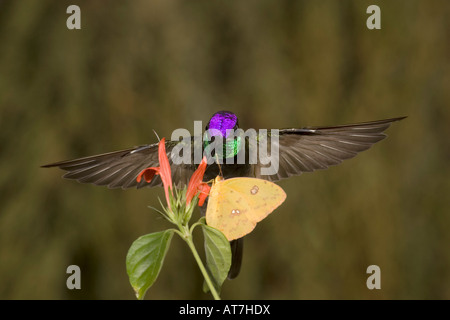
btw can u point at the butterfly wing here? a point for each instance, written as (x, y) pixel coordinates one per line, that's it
(236, 205)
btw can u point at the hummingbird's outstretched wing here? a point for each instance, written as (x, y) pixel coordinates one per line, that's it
(119, 169)
(313, 148)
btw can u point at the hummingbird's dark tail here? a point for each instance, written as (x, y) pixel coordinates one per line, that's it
(237, 249)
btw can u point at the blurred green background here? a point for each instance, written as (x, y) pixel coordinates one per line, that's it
(143, 65)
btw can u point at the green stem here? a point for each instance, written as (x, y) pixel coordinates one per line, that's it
(189, 241)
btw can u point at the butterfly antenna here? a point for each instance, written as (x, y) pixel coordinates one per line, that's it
(218, 163)
(156, 135)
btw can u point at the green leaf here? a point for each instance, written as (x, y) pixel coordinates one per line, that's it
(218, 254)
(145, 258)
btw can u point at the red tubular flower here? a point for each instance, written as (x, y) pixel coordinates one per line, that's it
(164, 167)
(195, 184)
(204, 192)
(163, 170)
(148, 174)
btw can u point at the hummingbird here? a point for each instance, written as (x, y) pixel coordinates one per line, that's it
(300, 150)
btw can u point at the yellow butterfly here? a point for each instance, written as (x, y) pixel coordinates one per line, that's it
(236, 205)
